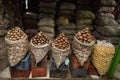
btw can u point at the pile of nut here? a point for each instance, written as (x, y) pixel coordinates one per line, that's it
(61, 42)
(40, 39)
(15, 34)
(84, 36)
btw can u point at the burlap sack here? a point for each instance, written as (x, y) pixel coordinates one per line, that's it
(16, 50)
(39, 51)
(106, 9)
(111, 39)
(59, 55)
(47, 4)
(61, 21)
(46, 21)
(102, 56)
(83, 7)
(3, 32)
(68, 32)
(82, 50)
(46, 29)
(84, 21)
(66, 11)
(42, 15)
(105, 15)
(65, 6)
(81, 14)
(50, 35)
(108, 30)
(80, 27)
(70, 26)
(107, 3)
(35, 31)
(3, 55)
(4, 23)
(106, 21)
(47, 10)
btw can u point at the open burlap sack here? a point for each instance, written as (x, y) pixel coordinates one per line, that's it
(59, 55)
(16, 50)
(39, 51)
(82, 50)
(102, 56)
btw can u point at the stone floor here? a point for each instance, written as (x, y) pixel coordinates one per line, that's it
(5, 75)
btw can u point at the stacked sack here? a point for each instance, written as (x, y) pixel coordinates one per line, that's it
(4, 26)
(65, 27)
(47, 8)
(66, 9)
(106, 28)
(47, 25)
(82, 45)
(30, 24)
(60, 49)
(84, 15)
(17, 45)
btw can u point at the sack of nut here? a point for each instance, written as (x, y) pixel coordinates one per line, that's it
(102, 55)
(40, 45)
(60, 49)
(82, 45)
(17, 45)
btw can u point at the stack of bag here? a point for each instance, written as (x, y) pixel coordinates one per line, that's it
(4, 26)
(30, 24)
(106, 28)
(69, 29)
(47, 25)
(47, 8)
(84, 15)
(66, 9)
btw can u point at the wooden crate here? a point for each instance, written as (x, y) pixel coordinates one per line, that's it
(61, 72)
(78, 71)
(23, 69)
(41, 69)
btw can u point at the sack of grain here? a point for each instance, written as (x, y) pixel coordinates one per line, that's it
(42, 15)
(106, 9)
(65, 6)
(46, 29)
(80, 27)
(106, 21)
(39, 46)
(61, 21)
(111, 39)
(105, 15)
(107, 3)
(68, 32)
(81, 14)
(84, 21)
(47, 4)
(82, 45)
(50, 35)
(46, 21)
(108, 30)
(60, 49)
(3, 55)
(102, 55)
(70, 26)
(17, 45)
